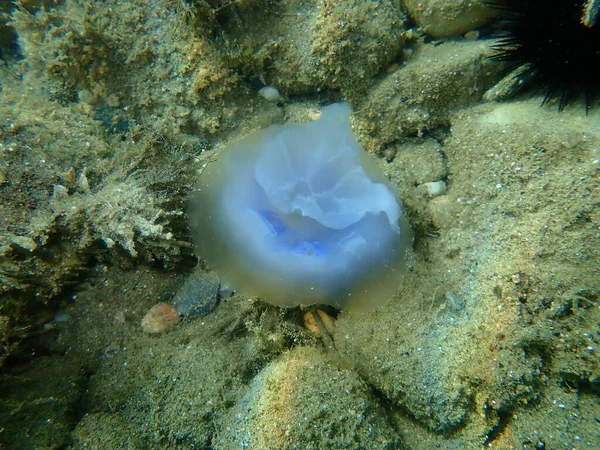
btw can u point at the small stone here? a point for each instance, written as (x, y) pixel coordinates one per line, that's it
(82, 182)
(23, 243)
(160, 318)
(389, 154)
(86, 96)
(59, 191)
(449, 18)
(69, 176)
(198, 295)
(472, 35)
(311, 322)
(270, 94)
(113, 101)
(434, 188)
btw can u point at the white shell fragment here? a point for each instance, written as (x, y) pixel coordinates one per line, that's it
(59, 191)
(434, 188)
(270, 94)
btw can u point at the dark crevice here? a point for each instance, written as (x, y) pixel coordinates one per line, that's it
(504, 418)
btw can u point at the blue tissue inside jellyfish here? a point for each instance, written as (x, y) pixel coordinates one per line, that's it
(275, 223)
(309, 248)
(301, 247)
(287, 240)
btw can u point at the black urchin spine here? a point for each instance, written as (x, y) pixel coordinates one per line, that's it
(555, 42)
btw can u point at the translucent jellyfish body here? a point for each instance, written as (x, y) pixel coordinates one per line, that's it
(300, 214)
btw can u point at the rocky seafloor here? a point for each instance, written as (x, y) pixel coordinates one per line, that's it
(108, 113)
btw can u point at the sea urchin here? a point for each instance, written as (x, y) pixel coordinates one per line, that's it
(555, 43)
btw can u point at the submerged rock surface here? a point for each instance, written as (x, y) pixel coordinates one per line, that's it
(106, 112)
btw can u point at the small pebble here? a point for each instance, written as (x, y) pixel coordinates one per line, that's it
(270, 93)
(113, 101)
(160, 318)
(389, 154)
(86, 96)
(434, 188)
(226, 291)
(472, 35)
(198, 295)
(82, 182)
(310, 322)
(111, 351)
(59, 191)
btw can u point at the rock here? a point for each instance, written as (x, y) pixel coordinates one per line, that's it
(270, 94)
(434, 188)
(198, 295)
(449, 17)
(160, 318)
(299, 401)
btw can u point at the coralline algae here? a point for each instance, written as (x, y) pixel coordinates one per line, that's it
(300, 214)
